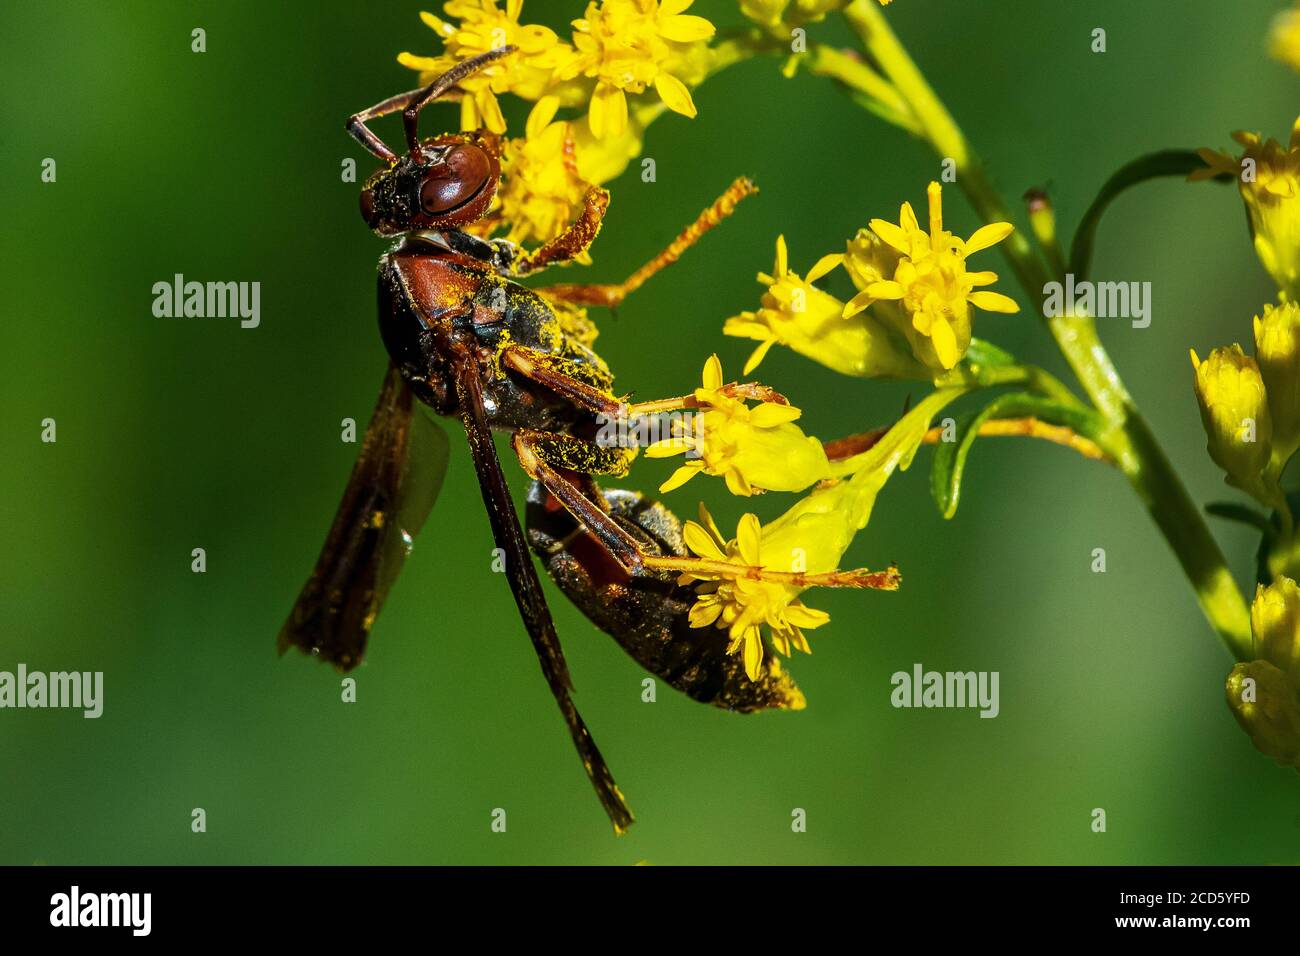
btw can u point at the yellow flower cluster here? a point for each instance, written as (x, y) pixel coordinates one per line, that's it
(1264, 694)
(780, 15)
(752, 449)
(1284, 37)
(1268, 175)
(619, 49)
(914, 280)
(1250, 406)
(808, 539)
(627, 46)
(742, 605)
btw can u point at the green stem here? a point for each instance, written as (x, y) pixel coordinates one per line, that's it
(870, 89)
(1130, 440)
(1035, 379)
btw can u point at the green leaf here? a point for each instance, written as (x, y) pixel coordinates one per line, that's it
(987, 354)
(950, 457)
(1169, 162)
(1242, 514)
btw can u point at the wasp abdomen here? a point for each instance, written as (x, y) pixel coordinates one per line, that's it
(648, 614)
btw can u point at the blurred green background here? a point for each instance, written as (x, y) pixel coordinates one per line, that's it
(183, 433)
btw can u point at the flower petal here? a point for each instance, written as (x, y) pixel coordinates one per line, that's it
(490, 109)
(782, 258)
(748, 535)
(771, 414)
(989, 235)
(993, 302)
(682, 475)
(425, 64)
(758, 355)
(945, 342)
(701, 542)
(674, 94)
(541, 115)
(891, 234)
(685, 29)
(666, 448)
(824, 265)
(703, 613)
(737, 483)
(857, 304)
(803, 616)
(712, 377)
(885, 290)
(745, 327)
(607, 116)
(711, 526)
(753, 653)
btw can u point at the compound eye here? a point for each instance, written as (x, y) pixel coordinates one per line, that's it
(460, 177)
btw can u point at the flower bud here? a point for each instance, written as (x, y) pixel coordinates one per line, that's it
(1234, 410)
(1275, 623)
(1277, 349)
(1267, 706)
(1268, 175)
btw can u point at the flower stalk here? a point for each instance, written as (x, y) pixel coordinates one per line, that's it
(1129, 439)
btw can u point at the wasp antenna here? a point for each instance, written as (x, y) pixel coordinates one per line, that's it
(412, 101)
(462, 70)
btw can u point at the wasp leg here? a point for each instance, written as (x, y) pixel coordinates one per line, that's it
(547, 456)
(751, 391)
(575, 239)
(589, 387)
(526, 586)
(584, 385)
(613, 294)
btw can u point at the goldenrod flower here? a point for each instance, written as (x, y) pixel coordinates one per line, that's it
(798, 315)
(629, 45)
(541, 188)
(484, 26)
(1269, 708)
(811, 537)
(757, 448)
(1277, 350)
(1284, 38)
(743, 605)
(931, 282)
(1275, 625)
(1268, 175)
(601, 160)
(1234, 410)
(774, 14)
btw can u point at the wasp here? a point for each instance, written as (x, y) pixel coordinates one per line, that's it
(468, 340)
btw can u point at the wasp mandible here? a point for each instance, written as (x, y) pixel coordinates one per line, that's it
(469, 341)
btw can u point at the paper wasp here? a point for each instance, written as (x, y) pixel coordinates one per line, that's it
(470, 342)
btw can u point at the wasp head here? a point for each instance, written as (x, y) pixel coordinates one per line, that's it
(448, 183)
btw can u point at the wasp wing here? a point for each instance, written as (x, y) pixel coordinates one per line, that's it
(393, 486)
